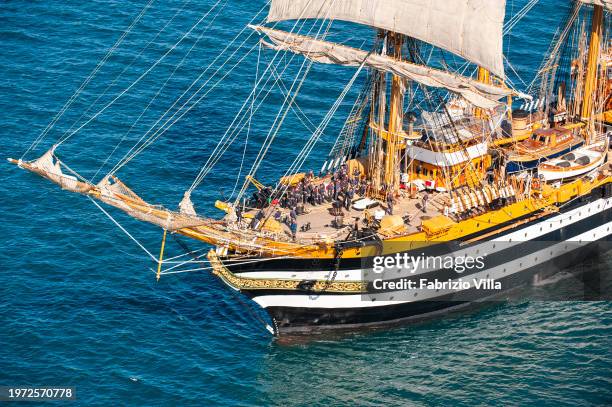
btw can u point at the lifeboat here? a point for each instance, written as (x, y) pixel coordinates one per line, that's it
(574, 164)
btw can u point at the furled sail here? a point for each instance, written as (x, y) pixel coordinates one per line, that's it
(607, 4)
(472, 29)
(479, 94)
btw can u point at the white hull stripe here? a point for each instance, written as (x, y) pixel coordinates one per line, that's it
(532, 232)
(498, 272)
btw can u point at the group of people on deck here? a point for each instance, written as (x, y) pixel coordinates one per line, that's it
(339, 188)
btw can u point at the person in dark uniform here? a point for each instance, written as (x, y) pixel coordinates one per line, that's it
(390, 203)
(277, 215)
(347, 200)
(311, 195)
(362, 188)
(297, 198)
(239, 215)
(336, 189)
(293, 199)
(257, 219)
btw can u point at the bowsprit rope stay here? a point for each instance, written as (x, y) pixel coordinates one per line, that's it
(163, 86)
(137, 149)
(88, 79)
(143, 75)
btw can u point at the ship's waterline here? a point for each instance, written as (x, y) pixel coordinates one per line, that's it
(81, 308)
(512, 260)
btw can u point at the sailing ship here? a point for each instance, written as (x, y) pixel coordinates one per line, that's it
(420, 168)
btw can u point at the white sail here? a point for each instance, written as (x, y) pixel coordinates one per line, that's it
(477, 93)
(472, 29)
(607, 4)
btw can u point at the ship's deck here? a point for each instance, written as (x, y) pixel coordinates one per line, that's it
(321, 220)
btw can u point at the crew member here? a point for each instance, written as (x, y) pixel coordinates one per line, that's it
(425, 199)
(293, 227)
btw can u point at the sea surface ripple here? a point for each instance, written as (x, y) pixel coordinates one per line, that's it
(79, 302)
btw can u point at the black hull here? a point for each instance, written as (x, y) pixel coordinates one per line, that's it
(291, 320)
(541, 248)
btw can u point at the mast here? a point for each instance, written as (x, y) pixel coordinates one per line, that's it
(484, 76)
(396, 107)
(593, 62)
(381, 97)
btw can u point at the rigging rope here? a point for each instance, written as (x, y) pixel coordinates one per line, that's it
(223, 143)
(124, 230)
(150, 103)
(165, 127)
(307, 149)
(68, 136)
(246, 139)
(278, 121)
(125, 69)
(226, 141)
(84, 84)
(134, 151)
(519, 16)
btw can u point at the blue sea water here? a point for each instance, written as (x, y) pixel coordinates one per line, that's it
(79, 304)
